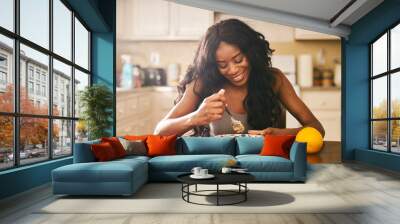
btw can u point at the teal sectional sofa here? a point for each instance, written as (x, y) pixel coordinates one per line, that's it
(125, 176)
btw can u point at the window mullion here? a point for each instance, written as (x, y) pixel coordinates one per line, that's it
(16, 84)
(73, 83)
(371, 137)
(50, 81)
(389, 106)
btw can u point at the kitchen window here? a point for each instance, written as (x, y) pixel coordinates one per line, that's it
(38, 50)
(384, 91)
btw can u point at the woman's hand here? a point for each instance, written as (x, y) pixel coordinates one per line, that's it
(210, 109)
(274, 131)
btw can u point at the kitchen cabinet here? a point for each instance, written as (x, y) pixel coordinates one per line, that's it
(189, 22)
(150, 18)
(325, 104)
(144, 20)
(300, 34)
(139, 110)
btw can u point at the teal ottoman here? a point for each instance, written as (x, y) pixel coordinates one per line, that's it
(118, 177)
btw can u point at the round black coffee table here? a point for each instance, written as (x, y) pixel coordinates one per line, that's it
(238, 179)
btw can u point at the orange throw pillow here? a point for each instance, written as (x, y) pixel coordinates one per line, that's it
(135, 137)
(103, 152)
(277, 145)
(161, 145)
(116, 145)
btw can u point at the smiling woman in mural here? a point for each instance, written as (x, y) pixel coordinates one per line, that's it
(232, 88)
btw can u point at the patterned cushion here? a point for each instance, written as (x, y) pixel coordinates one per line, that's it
(134, 147)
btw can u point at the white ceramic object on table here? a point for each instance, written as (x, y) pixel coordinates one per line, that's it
(208, 176)
(226, 170)
(196, 170)
(203, 172)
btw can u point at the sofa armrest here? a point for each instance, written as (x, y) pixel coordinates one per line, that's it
(299, 158)
(83, 152)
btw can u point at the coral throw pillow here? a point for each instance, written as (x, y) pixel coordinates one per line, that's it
(161, 145)
(116, 145)
(277, 145)
(103, 152)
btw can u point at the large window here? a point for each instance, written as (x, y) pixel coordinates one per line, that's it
(385, 91)
(44, 64)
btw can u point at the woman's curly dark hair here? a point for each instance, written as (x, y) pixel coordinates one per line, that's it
(261, 103)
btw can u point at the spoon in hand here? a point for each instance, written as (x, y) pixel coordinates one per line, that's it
(237, 125)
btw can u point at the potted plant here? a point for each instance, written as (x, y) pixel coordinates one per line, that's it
(96, 103)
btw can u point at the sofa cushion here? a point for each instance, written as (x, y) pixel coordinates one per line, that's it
(206, 145)
(134, 147)
(185, 163)
(116, 145)
(135, 137)
(112, 171)
(103, 152)
(277, 145)
(257, 163)
(159, 145)
(249, 145)
(131, 158)
(83, 152)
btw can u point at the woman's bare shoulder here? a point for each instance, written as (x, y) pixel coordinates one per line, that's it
(194, 85)
(279, 78)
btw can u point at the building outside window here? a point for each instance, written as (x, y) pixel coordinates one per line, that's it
(43, 90)
(57, 134)
(30, 72)
(3, 72)
(385, 92)
(55, 94)
(37, 74)
(3, 81)
(3, 61)
(44, 77)
(37, 89)
(30, 87)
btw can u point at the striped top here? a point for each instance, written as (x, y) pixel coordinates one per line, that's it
(224, 125)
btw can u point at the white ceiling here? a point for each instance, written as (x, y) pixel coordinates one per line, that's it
(315, 15)
(320, 9)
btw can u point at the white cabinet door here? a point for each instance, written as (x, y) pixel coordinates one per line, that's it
(331, 121)
(160, 20)
(189, 22)
(150, 19)
(322, 100)
(326, 106)
(122, 18)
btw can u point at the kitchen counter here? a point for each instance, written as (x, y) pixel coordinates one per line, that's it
(320, 88)
(139, 110)
(147, 89)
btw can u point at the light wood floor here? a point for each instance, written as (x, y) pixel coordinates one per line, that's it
(377, 188)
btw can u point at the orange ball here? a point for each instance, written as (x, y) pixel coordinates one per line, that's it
(312, 137)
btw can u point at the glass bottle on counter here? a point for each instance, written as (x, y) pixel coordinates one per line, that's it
(137, 76)
(127, 72)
